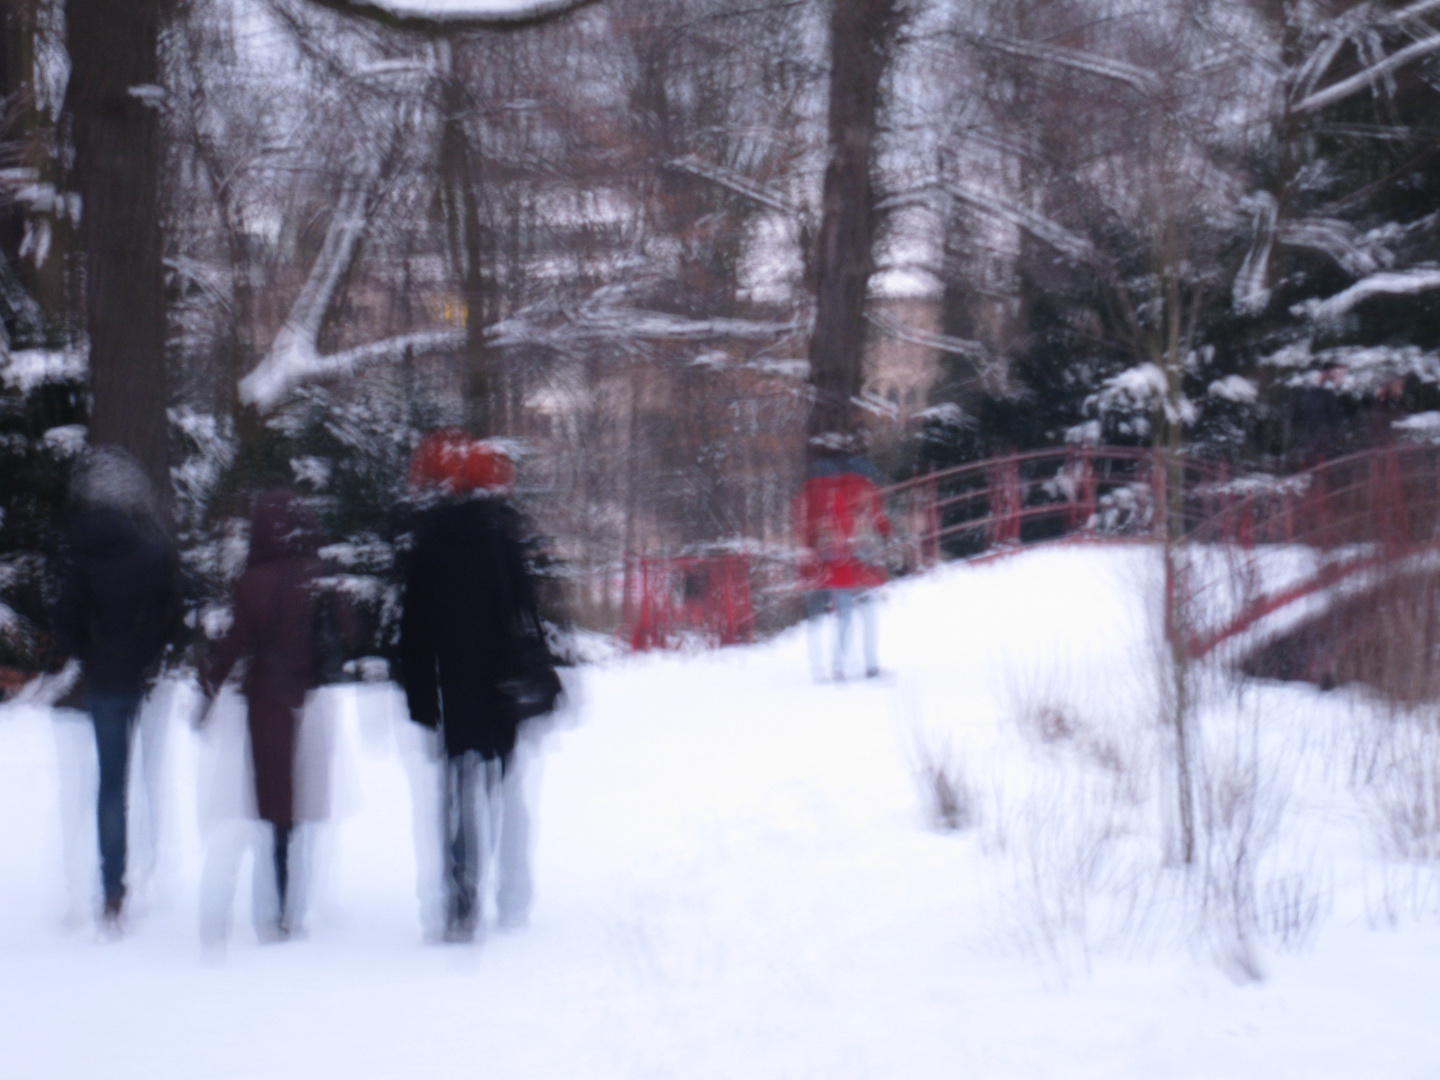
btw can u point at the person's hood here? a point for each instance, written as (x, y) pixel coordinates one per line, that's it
(104, 531)
(282, 527)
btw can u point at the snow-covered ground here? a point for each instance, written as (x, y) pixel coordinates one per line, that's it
(737, 876)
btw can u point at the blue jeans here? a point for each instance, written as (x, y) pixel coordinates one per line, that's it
(471, 784)
(114, 718)
(487, 830)
(846, 602)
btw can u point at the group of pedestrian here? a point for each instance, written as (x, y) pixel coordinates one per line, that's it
(475, 665)
(474, 662)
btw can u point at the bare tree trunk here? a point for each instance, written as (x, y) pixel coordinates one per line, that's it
(862, 33)
(471, 247)
(1178, 615)
(114, 67)
(1177, 636)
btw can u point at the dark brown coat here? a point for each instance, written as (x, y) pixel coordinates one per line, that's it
(274, 616)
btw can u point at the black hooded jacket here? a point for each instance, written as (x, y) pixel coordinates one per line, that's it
(119, 599)
(466, 594)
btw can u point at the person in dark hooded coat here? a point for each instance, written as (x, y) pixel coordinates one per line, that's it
(469, 599)
(273, 625)
(118, 603)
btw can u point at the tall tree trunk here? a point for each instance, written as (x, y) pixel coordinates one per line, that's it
(116, 130)
(861, 37)
(471, 246)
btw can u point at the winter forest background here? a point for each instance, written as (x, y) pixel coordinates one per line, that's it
(655, 244)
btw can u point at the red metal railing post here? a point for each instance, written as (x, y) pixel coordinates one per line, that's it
(1005, 502)
(627, 600)
(1089, 491)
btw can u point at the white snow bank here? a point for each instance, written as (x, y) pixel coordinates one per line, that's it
(734, 878)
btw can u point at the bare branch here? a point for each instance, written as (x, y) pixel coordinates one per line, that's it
(943, 342)
(731, 180)
(1136, 77)
(989, 368)
(1037, 225)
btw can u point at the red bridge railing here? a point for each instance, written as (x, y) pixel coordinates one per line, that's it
(988, 507)
(1254, 544)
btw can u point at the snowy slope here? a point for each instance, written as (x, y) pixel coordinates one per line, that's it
(736, 878)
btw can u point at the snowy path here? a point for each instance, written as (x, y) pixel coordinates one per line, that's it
(733, 880)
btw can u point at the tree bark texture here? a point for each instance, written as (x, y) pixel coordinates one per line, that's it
(862, 32)
(473, 249)
(116, 132)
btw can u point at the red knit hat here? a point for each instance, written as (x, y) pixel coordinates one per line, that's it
(449, 458)
(487, 468)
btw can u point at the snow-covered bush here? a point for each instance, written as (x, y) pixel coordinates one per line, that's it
(1086, 839)
(41, 412)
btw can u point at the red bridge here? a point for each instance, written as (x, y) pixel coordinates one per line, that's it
(1249, 546)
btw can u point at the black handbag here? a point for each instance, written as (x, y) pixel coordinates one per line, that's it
(535, 688)
(531, 687)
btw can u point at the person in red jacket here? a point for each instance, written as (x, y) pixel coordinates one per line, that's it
(841, 523)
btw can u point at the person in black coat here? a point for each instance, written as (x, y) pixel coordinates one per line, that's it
(118, 604)
(469, 603)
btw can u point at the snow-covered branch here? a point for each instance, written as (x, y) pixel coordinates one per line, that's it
(1251, 291)
(1136, 77)
(443, 16)
(271, 383)
(1363, 79)
(1414, 11)
(943, 342)
(293, 357)
(1037, 225)
(547, 326)
(342, 238)
(1357, 255)
(1391, 283)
